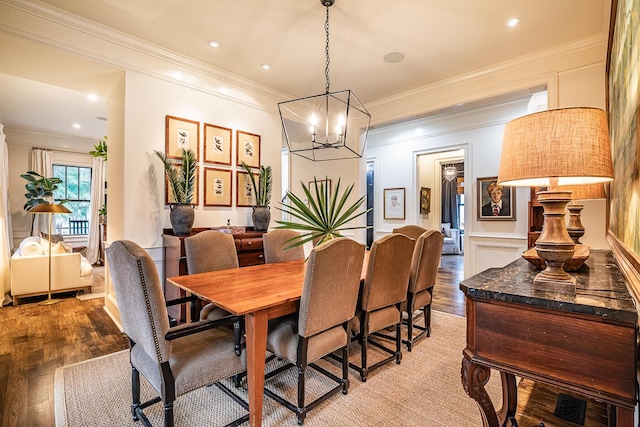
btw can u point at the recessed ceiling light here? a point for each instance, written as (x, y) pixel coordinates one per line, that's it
(76, 126)
(393, 57)
(214, 43)
(513, 22)
(101, 118)
(265, 66)
(92, 97)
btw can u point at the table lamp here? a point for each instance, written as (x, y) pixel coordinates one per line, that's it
(566, 146)
(49, 208)
(580, 192)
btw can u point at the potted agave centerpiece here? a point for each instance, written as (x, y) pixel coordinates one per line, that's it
(182, 182)
(324, 217)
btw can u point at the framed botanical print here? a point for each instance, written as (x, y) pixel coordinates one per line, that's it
(217, 187)
(168, 195)
(248, 148)
(495, 202)
(425, 200)
(217, 144)
(181, 133)
(321, 183)
(394, 203)
(244, 190)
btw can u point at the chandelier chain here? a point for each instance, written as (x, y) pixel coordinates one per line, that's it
(326, 69)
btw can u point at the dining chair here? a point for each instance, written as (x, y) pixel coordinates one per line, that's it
(383, 292)
(275, 245)
(213, 250)
(175, 360)
(424, 268)
(321, 326)
(412, 231)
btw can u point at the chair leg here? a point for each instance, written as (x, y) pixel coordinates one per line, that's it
(409, 331)
(135, 392)
(237, 335)
(168, 414)
(427, 319)
(398, 342)
(345, 369)
(363, 357)
(301, 413)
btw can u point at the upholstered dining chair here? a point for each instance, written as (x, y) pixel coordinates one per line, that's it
(275, 245)
(424, 268)
(174, 360)
(411, 231)
(321, 326)
(383, 292)
(213, 250)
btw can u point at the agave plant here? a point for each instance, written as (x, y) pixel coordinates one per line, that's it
(261, 189)
(325, 217)
(182, 177)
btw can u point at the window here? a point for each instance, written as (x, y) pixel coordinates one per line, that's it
(76, 188)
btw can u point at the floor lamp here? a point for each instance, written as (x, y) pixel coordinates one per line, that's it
(49, 208)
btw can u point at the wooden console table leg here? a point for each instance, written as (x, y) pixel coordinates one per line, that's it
(474, 378)
(507, 413)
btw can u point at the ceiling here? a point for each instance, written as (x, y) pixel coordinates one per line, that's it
(439, 40)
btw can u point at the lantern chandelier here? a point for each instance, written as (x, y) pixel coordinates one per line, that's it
(330, 126)
(450, 172)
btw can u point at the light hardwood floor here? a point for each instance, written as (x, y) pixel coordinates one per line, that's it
(35, 340)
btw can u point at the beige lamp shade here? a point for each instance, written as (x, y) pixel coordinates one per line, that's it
(586, 191)
(571, 144)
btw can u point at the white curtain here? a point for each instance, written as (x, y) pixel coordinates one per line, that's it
(6, 234)
(97, 199)
(41, 163)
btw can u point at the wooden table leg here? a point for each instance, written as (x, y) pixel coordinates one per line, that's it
(256, 330)
(474, 378)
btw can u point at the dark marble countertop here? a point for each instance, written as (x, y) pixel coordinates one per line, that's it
(600, 288)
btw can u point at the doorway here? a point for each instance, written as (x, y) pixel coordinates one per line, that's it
(370, 192)
(447, 195)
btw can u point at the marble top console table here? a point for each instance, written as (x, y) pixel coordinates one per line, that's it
(585, 343)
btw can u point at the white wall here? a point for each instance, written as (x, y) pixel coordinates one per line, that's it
(398, 148)
(147, 101)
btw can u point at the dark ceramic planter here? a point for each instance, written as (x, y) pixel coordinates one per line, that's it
(261, 217)
(182, 216)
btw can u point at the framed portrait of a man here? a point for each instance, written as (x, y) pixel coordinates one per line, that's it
(394, 204)
(495, 202)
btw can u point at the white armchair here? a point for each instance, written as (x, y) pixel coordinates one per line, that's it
(451, 243)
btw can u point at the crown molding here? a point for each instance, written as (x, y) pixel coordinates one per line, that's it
(122, 47)
(488, 81)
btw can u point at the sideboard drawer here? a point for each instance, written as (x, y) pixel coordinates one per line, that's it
(251, 244)
(247, 258)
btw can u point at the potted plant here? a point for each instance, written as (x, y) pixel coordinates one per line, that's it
(182, 182)
(100, 149)
(261, 214)
(324, 217)
(39, 190)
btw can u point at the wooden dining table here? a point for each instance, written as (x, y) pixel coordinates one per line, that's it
(259, 293)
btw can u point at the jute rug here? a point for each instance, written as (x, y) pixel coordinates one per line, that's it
(424, 390)
(97, 288)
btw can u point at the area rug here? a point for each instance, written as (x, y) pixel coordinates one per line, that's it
(97, 288)
(424, 390)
